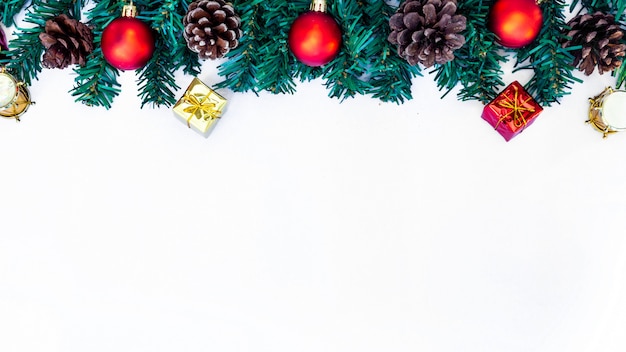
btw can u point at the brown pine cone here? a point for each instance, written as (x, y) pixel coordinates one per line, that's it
(427, 31)
(212, 28)
(67, 42)
(601, 40)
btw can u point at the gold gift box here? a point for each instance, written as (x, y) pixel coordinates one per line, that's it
(200, 106)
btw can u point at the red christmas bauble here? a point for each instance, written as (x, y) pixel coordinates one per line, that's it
(315, 38)
(516, 23)
(127, 43)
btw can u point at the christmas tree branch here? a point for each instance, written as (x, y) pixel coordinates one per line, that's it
(184, 58)
(477, 64)
(239, 71)
(9, 9)
(24, 59)
(96, 83)
(345, 75)
(550, 62)
(156, 79)
(390, 75)
(275, 63)
(366, 64)
(614, 7)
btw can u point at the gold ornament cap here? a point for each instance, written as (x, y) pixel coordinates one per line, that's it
(318, 5)
(129, 10)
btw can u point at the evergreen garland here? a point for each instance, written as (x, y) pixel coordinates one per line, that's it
(477, 64)
(96, 83)
(367, 64)
(550, 62)
(25, 60)
(614, 7)
(9, 9)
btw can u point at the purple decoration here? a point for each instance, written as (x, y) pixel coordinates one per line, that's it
(3, 40)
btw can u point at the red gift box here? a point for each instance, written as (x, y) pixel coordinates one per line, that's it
(511, 111)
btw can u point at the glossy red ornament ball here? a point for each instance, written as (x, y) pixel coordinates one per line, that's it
(127, 43)
(516, 23)
(315, 38)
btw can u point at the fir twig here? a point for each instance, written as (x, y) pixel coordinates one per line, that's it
(184, 58)
(24, 59)
(96, 83)
(389, 75)
(550, 62)
(274, 68)
(9, 9)
(613, 7)
(346, 75)
(477, 65)
(239, 71)
(365, 64)
(156, 79)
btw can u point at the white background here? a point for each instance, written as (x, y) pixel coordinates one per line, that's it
(305, 224)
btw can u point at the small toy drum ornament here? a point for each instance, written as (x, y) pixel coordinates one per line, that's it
(14, 96)
(607, 111)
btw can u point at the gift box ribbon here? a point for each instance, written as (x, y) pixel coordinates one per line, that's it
(516, 109)
(200, 107)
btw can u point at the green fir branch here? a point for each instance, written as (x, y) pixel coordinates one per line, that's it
(9, 9)
(24, 56)
(166, 18)
(366, 63)
(239, 71)
(184, 58)
(390, 76)
(620, 72)
(96, 83)
(156, 80)
(613, 7)
(275, 63)
(551, 63)
(477, 64)
(346, 75)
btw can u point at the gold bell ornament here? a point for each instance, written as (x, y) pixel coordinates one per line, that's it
(14, 96)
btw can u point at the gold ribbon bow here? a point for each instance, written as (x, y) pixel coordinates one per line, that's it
(516, 108)
(200, 108)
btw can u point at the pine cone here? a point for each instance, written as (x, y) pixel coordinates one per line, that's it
(427, 31)
(601, 40)
(212, 28)
(67, 42)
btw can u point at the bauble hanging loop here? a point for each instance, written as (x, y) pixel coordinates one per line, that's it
(127, 42)
(315, 36)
